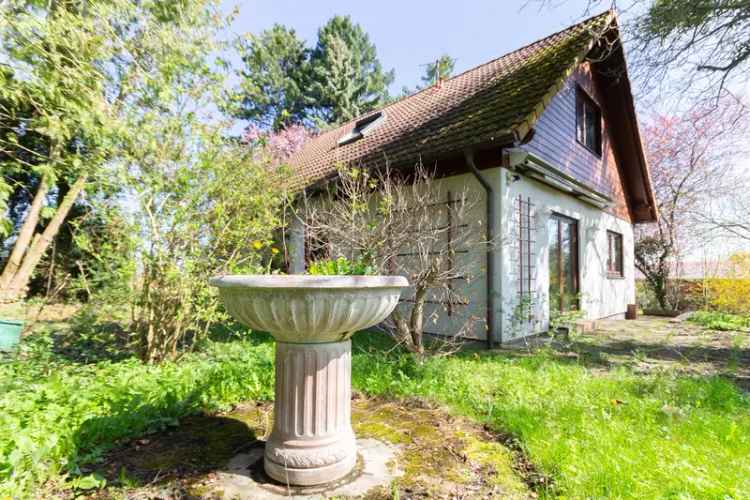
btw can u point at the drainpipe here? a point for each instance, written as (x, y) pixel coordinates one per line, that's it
(490, 230)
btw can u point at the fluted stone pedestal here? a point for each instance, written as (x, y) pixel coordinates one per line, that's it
(312, 319)
(312, 441)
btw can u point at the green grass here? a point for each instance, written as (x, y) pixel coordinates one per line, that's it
(720, 321)
(57, 414)
(614, 434)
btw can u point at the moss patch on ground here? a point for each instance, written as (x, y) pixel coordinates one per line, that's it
(441, 456)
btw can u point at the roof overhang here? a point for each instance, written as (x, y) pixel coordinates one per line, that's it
(608, 59)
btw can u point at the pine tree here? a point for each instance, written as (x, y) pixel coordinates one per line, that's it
(347, 77)
(273, 80)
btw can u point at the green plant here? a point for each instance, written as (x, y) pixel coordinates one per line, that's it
(340, 266)
(720, 321)
(57, 415)
(595, 434)
(617, 434)
(564, 319)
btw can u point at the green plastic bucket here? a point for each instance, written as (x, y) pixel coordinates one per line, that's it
(10, 334)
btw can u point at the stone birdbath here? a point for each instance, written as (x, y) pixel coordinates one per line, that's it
(312, 319)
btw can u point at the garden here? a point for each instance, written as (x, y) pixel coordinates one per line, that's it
(588, 417)
(145, 149)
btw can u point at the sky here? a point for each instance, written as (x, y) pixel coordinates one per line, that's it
(409, 34)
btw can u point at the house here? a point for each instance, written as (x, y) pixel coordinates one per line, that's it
(546, 138)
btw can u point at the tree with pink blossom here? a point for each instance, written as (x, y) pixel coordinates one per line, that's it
(278, 145)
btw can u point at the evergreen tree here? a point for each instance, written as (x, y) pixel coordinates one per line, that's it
(347, 77)
(274, 76)
(441, 69)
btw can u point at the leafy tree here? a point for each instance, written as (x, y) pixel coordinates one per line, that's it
(201, 201)
(59, 103)
(704, 41)
(347, 78)
(441, 69)
(273, 79)
(120, 95)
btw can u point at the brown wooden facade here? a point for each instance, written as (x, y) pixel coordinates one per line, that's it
(555, 141)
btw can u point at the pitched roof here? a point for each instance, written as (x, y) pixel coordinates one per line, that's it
(492, 103)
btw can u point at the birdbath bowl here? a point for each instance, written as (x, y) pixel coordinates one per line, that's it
(312, 319)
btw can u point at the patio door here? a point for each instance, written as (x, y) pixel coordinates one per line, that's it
(563, 263)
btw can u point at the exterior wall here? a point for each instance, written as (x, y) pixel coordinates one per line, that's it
(601, 296)
(440, 318)
(555, 141)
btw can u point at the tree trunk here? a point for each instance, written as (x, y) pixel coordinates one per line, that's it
(660, 291)
(417, 320)
(24, 236)
(38, 248)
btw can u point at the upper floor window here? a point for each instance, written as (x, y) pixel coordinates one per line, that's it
(614, 255)
(588, 122)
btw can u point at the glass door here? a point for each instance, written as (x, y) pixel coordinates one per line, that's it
(563, 263)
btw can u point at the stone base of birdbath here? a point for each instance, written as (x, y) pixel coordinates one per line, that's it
(312, 441)
(312, 319)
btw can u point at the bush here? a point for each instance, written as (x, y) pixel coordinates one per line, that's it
(720, 321)
(730, 295)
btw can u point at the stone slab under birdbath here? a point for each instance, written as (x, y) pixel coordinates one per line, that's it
(312, 319)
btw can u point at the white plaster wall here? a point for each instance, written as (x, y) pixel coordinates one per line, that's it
(601, 296)
(471, 318)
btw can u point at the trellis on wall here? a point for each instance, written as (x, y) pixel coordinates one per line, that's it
(524, 257)
(450, 228)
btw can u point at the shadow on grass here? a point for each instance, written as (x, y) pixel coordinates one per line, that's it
(731, 363)
(200, 444)
(165, 435)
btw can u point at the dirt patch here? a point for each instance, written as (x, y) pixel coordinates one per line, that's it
(442, 456)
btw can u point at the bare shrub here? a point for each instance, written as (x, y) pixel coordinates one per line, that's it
(406, 224)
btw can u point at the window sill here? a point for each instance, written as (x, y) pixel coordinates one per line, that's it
(612, 276)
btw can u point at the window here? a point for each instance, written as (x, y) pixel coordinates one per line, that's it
(563, 263)
(362, 127)
(614, 255)
(588, 122)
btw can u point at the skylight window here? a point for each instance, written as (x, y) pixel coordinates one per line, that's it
(363, 127)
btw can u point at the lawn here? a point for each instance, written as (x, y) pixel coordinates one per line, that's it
(596, 429)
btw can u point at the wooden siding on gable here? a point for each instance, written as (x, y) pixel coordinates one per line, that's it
(555, 141)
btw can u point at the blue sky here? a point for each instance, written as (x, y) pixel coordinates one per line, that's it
(409, 34)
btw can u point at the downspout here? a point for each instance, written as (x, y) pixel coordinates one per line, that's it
(490, 235)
